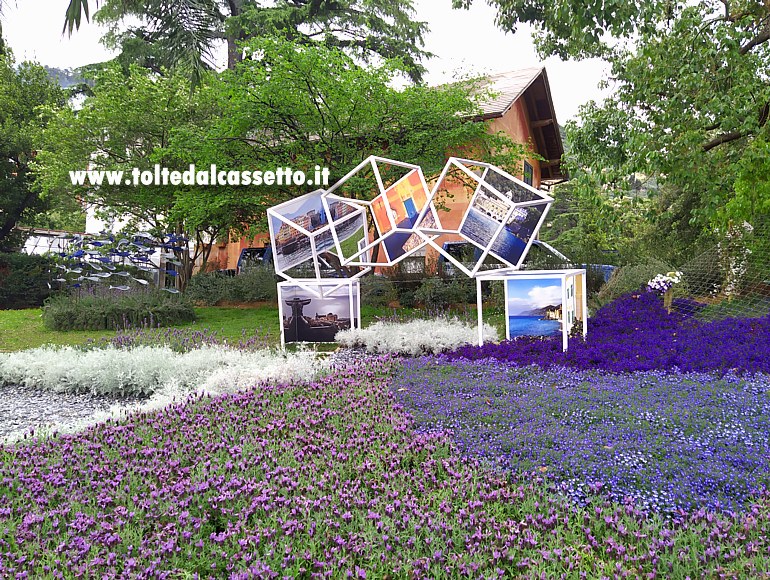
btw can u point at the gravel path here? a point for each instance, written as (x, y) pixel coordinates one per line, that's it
(349, 356)
(24, 408)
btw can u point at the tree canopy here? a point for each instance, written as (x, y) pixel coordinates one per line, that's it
(183, 33)
(292, 104)
(26, 94)
(689, 104)
(130, 122)
(312, 103)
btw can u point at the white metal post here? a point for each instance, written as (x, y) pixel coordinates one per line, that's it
(478, 311)
(564, 329)
(358, 302)
(280, 313)
(585, 305)
(351, 305)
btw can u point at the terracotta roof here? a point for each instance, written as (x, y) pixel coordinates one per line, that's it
(531, 86)
(508, 87)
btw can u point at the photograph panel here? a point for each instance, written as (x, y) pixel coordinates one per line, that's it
(380, 212)
(534, 307)
(308, 318)
(292, 247)
(406, 198)
(511, 243)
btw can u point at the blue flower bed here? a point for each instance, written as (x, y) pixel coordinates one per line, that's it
(635, 333)
(673, 442)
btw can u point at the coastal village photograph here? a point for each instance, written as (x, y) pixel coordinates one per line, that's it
(534, 308)
(311, 318)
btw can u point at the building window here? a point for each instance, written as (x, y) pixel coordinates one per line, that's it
(527, 173)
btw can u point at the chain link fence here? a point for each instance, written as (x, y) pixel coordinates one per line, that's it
(731, 279)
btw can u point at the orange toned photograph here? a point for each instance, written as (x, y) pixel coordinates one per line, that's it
(380, 213)
(407, 197)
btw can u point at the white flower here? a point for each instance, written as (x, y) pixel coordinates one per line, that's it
(415, 337)
(146, 370)
(663, 282)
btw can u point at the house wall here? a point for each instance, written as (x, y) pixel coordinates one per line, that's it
(516, 124)
(225, 256)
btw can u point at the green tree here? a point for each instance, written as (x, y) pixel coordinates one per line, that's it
(131, 123)
(24, 92)
(183, 33)
(592, 227)
(298, 105)
(751, 201)
(689, 93)
(313, 105)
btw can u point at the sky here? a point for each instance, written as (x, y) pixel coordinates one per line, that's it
(463, 42)
(525, 295)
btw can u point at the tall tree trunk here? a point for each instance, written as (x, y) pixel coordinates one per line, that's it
(233, 53)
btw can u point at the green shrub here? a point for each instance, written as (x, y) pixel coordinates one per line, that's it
(24, 280)
(406, 296)
(539, 259)
(464, 289)
(377, 291)
(87, 311)
(495, 296)
(256, 285)
(406, 276)
(595, 278)
(440, 293)
(630, 278)
(207, 288)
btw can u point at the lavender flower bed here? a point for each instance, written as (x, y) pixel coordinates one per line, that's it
(179, 339)
(635, 333)
(673, 442)
(323, 480)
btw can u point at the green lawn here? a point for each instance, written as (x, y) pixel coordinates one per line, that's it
(230, 322)
(20, 329)
(350, 245)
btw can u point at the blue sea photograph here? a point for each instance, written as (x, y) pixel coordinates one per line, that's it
(534, 307)
(510, 244)
(480, 228)
(532, 326)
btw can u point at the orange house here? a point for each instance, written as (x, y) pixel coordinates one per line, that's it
(522, 108)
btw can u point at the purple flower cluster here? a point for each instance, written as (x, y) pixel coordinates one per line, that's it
(323, 480)
(635, 333)
(178, 339)
(673, 442)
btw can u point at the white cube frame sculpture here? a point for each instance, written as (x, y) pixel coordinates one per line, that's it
(324, 220)
(307, 226)
(386, 226)
(573, 296)
(502, 211)
(329, 294)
